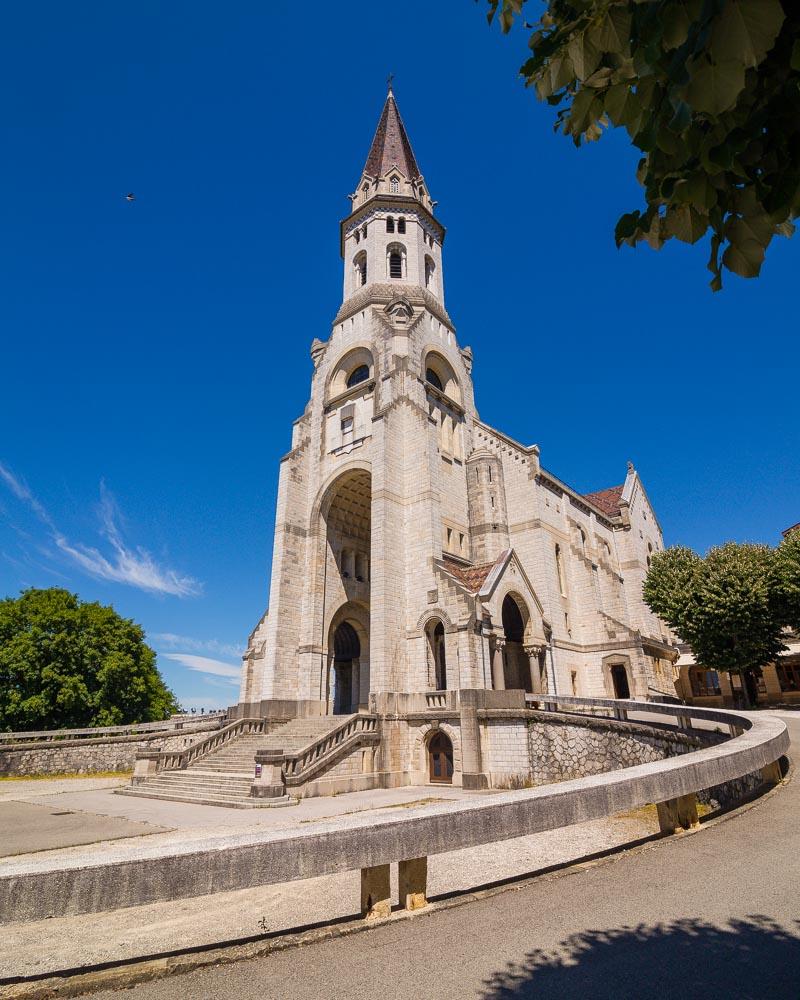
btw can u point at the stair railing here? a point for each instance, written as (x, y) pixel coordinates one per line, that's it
(357, 730)
(175, 760)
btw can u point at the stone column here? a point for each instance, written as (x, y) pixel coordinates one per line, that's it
(412, 878)
(498, 668)
(534, 666)
(472, 776)
(376, 896)
(678, 815)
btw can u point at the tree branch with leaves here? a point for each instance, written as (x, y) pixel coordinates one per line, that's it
(708, 90)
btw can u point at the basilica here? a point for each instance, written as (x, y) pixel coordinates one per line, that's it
(429, 572)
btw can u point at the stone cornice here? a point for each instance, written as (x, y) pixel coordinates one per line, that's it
(377, 205)
(380, 293)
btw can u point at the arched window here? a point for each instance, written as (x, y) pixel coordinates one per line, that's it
(430, 267)
(360, 374)
(389, 224)
(394, 184)
(445, 377)
(354, 368)
(401, 225)
(396, 260)
(360, 265)
(433, 378)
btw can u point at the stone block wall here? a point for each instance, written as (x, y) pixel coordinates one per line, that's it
(84, 756)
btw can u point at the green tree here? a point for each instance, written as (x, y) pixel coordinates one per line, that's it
(786, 579)
(725, 606)
(65, 663)
(708, 90)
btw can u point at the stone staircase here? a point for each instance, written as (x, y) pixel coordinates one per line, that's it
(224, 776)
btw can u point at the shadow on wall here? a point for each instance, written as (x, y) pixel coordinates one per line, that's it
(752, 958)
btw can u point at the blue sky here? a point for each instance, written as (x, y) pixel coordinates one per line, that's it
(155, 353)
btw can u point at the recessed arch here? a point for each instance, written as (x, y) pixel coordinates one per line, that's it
(396, 261)
(441, 758)
(436, 649)
(440, 373)
(516, 619)
(349, 365)
(360, 268)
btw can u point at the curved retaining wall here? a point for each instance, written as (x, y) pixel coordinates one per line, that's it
(85, 755)
(88, 881)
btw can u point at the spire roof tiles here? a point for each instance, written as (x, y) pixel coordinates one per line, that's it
(391, 146)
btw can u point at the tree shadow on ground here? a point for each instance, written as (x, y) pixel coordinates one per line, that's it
(752, 958)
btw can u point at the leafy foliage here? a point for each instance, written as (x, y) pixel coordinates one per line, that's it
(708, 90)
(731, 607)
(68, 664)
(786, 579)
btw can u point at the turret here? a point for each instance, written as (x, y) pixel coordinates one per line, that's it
(486, 500)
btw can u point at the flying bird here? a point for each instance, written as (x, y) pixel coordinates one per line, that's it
(130, 196)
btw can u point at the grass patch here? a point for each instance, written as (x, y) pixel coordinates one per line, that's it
(65, 774)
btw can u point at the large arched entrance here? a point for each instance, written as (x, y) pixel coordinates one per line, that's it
(440, 759)
(345, 585)
(516, 665)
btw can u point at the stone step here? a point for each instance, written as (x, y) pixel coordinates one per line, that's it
(233, 803)
(235, 786)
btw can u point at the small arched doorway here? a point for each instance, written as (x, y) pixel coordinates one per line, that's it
(346, 650)
(619, 678)
(440, 759)
(517, 667)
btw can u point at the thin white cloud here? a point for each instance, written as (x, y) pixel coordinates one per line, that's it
(206, 665)
(22, 492)
(173, 641)
(134, 567)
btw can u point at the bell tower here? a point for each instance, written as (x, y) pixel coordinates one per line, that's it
(391, 234)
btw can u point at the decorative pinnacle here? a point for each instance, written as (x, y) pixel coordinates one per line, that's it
(389, 79)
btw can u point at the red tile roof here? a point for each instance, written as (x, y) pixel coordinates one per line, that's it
(788, 531)
(471, 577)
(606, 500)
(391, 145)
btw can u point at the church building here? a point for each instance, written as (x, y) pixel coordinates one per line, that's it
(426, 564)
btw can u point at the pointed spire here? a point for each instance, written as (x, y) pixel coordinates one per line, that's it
(391, 146)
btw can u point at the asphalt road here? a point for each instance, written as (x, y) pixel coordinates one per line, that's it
(710, 915)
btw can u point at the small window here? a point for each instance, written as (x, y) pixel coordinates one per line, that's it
(360, 374)
(489, 471)
(365, 190)
(401, 225)
(395, 185)
(389, 224)
(395, 264)
(360, 264)
(434, 380)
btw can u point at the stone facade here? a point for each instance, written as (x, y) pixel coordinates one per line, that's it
(417, 549)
